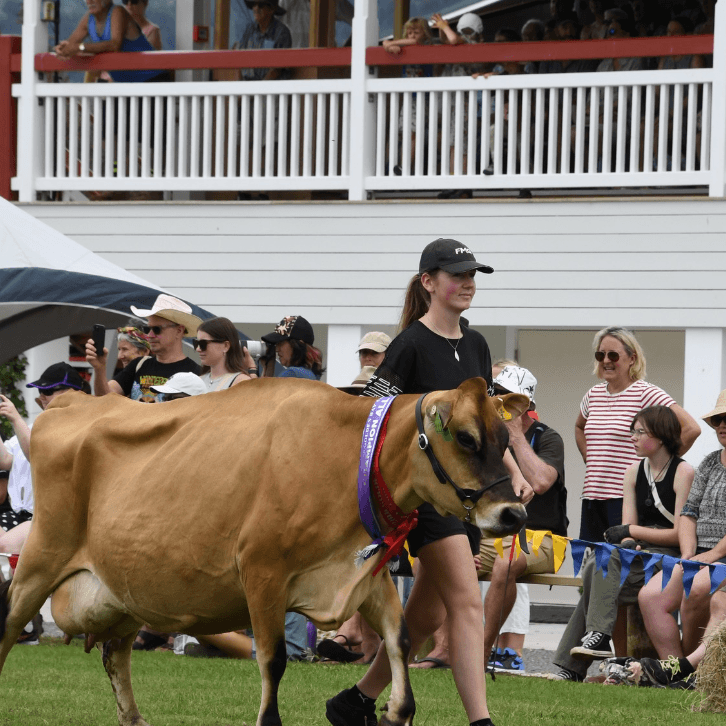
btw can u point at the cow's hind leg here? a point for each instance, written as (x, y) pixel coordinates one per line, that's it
(268, 623)
(117, 662)
(382, 609)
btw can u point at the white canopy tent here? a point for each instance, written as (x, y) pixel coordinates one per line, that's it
(50, 286)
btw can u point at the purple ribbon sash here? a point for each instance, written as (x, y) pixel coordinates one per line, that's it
(367, 450)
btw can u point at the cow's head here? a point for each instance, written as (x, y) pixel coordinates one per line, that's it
(466, 435)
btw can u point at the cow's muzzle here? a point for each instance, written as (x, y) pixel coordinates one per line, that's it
(468, 497)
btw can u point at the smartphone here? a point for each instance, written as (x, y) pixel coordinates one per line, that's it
(99, 338)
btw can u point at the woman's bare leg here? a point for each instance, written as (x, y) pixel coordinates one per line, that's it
(446, 585)
(656, 608)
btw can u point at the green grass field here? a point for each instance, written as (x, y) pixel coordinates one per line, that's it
(57, 684)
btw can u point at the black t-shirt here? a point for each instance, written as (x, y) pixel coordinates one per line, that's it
(648, 514)
(548, 511)
(419, 361)
(136, 383)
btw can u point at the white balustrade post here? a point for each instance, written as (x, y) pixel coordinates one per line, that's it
(704, 373)
(30, 114)
(362, 105)
(717, 187)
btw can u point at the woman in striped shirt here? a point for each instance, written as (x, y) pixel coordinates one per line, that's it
(602, 430)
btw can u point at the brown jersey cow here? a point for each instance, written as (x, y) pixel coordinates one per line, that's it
(224, 511)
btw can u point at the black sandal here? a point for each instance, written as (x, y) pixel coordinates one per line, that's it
(328, 648)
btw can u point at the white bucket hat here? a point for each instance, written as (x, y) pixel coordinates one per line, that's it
(173, 309)
(517, 380)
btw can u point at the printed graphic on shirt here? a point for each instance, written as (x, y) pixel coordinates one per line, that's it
(141, 390)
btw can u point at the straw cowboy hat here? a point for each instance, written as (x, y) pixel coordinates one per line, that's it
(173, 309)
(719, 410)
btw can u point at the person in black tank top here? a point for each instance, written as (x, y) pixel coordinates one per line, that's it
(654, 492)
(436, 351)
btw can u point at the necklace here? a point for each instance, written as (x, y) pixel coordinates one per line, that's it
(652, 480)
(454, 347)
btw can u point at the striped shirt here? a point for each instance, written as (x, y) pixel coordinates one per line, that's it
(607, 434)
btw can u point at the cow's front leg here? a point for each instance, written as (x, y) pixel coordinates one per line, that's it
(268, 625)
(117, 662)
(382, 609)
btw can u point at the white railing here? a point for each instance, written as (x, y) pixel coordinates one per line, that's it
(171, 136)
(556, 130)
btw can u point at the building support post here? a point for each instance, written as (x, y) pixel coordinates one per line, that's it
(362, 103)
(704, 378)
(717, 187)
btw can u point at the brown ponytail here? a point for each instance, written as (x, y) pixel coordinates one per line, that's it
(417, 301)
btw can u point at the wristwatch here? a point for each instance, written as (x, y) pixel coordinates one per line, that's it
(82, 47)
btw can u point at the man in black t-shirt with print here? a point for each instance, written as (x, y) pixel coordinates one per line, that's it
(169, 321)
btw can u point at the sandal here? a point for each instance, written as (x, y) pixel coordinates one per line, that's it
(328, 648)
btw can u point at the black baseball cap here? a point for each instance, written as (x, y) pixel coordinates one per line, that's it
(293, 326)
(451, 256)
(59, 374)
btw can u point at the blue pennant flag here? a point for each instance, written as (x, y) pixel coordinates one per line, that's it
(650, 560)
(718, 575)
(626, 560)
(690, 570)
(668, 564)
(602, 557)
(577, 550)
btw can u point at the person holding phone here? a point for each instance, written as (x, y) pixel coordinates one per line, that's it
(169, 320)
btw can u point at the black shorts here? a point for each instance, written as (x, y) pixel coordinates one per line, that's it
(433, 527)
(11, 519)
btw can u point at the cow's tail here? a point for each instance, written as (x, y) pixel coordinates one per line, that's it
(4, 610)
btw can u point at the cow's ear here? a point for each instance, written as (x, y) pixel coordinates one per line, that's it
(443, 410)
(510, 405)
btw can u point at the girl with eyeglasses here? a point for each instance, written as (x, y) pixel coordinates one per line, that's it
(602, 430)
(703, 539)
(225, 363)
(654, 492)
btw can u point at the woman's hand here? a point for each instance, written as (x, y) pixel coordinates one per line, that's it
(8, 410)
(93, 358)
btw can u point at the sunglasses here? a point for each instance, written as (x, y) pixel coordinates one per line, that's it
(156, 329)
(611, 354)
(202, 344)
(716, 421)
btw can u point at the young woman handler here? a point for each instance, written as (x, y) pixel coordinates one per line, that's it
(436, 351)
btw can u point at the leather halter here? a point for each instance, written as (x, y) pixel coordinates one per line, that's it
(465, 495)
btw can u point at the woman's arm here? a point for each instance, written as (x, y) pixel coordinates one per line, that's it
(690, 430)
(119, 24)
(630, 509)
(687, 537)
(580, 436)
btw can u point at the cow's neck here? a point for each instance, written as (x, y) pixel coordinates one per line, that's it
(395, 464)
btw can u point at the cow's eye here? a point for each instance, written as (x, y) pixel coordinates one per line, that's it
(466, 440)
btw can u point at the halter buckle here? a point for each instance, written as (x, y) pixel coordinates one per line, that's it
(423, 442)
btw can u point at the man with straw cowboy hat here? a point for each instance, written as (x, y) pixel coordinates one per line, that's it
(169, 321)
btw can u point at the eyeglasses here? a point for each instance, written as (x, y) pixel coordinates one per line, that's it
(639, 432)
(202, 344)
(156, 329)
(612, 355)
(48, 392)
(716, 421)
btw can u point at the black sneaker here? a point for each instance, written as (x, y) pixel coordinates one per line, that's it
(661, 673)
(344, 710)
(594, 645)
(567, 675)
